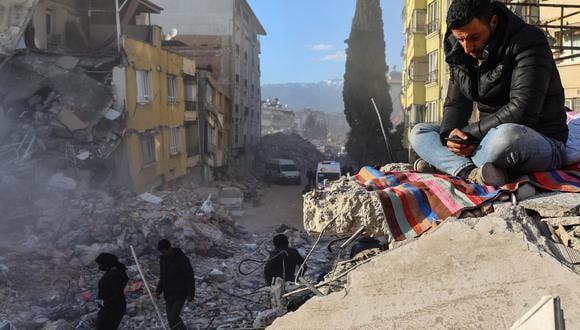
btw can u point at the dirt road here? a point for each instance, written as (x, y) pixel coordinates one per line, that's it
(279, 204)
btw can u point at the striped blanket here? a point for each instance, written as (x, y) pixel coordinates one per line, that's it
(413, 201)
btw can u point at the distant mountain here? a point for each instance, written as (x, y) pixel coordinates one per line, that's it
(324, 95)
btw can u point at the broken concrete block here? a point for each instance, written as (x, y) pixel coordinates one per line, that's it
(546, 314)
(217, 275)
(150, 198)
(231, 197)
(67, 62)
(484, 273)
(70, 120)
(564, 221)
(554, 205)
(60, 181)
(112, 114)
(349, 203)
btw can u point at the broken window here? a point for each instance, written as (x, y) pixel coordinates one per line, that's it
(172, 91)
(143, 86)
(148, 149)
(174, 146)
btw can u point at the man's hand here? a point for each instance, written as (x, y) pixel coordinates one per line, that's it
(464, 150)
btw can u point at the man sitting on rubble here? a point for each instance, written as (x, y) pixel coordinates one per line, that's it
(506, 67)
(283, 261)
(176, 282)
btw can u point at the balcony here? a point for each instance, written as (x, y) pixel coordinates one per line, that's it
(190, 106)
(433, 26)
(432, 77)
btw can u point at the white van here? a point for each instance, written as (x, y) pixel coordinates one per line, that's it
(282, 171)
(327, 170)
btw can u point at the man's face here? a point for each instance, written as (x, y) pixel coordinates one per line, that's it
(474, 36)
(165, 252)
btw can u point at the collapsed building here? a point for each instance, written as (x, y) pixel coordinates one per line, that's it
(86, 95)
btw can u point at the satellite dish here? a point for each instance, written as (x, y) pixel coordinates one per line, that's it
(171, 34)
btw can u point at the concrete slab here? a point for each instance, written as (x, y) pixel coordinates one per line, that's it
(471, 273)
(554, 205)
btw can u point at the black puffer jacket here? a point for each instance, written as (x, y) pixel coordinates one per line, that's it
(517, 82)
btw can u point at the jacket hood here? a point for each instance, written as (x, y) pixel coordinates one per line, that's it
(509, 24)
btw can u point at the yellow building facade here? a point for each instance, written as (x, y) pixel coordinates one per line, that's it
(154, 148)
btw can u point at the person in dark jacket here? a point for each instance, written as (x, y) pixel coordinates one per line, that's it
(506, 68)
(176, 282)
(111, 292)
(283, 261)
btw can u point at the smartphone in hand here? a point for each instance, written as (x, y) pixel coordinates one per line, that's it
(459, 140)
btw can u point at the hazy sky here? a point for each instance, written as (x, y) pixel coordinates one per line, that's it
(305, 41)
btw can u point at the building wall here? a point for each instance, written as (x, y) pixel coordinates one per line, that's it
(61, 12)
(155, 118)
(239, 76)
(569, 69)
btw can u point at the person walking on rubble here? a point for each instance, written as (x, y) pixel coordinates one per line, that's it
(176, 282)
(111, 296)
(506, 67)
(282, 261)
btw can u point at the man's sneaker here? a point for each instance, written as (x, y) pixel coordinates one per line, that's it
(420, 165)
(489, 175)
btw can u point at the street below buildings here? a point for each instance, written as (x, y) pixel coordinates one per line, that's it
(278, 204)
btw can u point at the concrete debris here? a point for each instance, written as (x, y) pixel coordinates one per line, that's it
(554, 205)
(286, 146)
(349, 203)
(546, 314)
(231, 197)
(150, 198)
(60, 181)
(396, 167)
(60, 233)
(15, 17)
(484, 272)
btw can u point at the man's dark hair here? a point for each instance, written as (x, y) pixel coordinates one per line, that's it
(280, 241)
(163, 244)
(461, 12)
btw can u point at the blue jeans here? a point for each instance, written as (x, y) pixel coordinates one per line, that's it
(517, 148)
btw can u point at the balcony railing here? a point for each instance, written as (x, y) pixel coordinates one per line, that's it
(433, 26)
(431, 77)
(190, 106)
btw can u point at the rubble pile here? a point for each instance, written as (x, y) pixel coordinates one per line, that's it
(50, 122)
(467, 273)
(348, 205)
(58, 232)
(286, 146)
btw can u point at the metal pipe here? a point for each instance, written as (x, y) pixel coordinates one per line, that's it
(147, 287)
(390, 154)
(118, 20)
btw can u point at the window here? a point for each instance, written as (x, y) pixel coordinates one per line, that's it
(174, 145)
(432, 17)
(418, 21)
(433, 65)
(143, 86)
(237, 78)
(573, 103)
(172, 91)
(237, 49)
(570, 39)
(245, 83)
(148, 149)
(432, 115)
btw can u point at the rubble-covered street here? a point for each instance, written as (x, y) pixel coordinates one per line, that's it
(48, 275)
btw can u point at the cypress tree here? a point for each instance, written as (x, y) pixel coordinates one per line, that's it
(365, 78)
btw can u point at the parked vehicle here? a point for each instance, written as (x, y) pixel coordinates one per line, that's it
(282, 171)
(327, 170)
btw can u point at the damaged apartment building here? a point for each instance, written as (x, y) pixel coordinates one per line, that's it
(93, 96)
